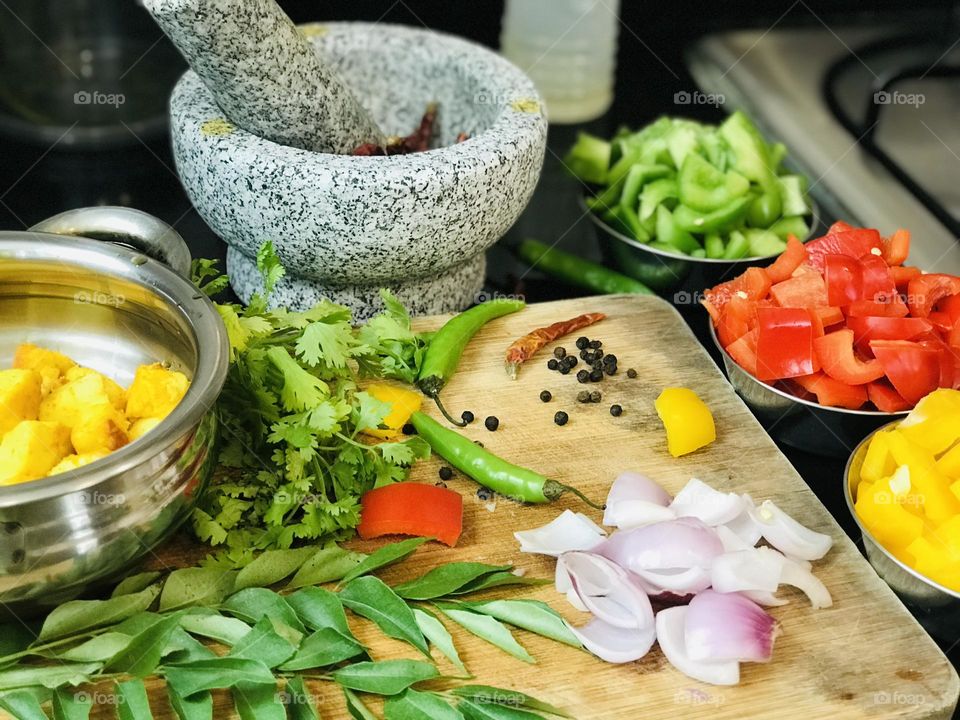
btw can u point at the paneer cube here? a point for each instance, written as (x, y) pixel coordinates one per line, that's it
(117, 395)
(142, 426)
(73, 462)
(102, 428)
(69, 402)
(155, 391)
(31, 449)
(19, 397)
(36, 358)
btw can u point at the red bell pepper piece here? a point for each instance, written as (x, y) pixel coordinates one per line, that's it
(790, 259)
(902, 276)
(744, 351)
(833, 393)
(753, 283)
(735, 319)
(843, 276)
(913, 369)
(877, 283)
(870, 328)
(785, 343)
(855, 242)
(895, 307)
(839, 226)
(801, 291)
(896, 248)
(412, 508)
(925, 291)
(835, 353)
(829, 315)
(882, 394)
(953, 337)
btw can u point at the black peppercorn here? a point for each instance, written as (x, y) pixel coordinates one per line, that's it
(552, 364)
(610, 359)
(571, 361)
(561, 418)
(467, 417)
(616, 410)
(595, 396)
(484, 494)
(595, 344)
(582, 342)
(596, 375)
(611, 369)
(583, 376)
(559, 353)
(564, 369)
(446, 473)
(409, 429)
(492, 423)
(631, 373)
(545, 396)
(583, 396)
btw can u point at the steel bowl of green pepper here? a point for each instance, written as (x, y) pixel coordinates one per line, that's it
(681, 203)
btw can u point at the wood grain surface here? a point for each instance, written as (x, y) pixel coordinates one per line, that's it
(864, 657)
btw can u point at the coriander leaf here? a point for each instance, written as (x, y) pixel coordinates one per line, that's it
(78, 615)
(371, 412)
(227, 630)
(69, 705)
(251, 604)
(190, 587)
(217, 673)
(439, 637)
(327, 564)
(487, 628)
(413, 705)
(264, 644)
(384, 556)
(405, 452)
(356, 708)
(299, 701)
(301, 390)
(488, 695)
(324, 647)
(327, 343)
(273, 566)
(258, 702)
(270, 266)
(445, 579)
(318, 608)
(532, 615)
(386, 677)
(207, 277)
(369, 597)
(132, 703)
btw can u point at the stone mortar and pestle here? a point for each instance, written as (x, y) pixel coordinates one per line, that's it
(264, 128)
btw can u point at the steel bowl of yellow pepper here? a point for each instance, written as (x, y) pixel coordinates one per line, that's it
(902, 485)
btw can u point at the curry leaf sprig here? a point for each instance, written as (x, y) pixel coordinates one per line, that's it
(271, 643)
(293, 464)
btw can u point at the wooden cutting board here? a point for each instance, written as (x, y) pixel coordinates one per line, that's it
(864, 657)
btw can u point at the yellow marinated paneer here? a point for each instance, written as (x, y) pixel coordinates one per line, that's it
(102, 428)
(155, 391)
(31, 449)
(141, 427)
(117, 395)
(51, 365)
(19, 397)
(70, 402)
(72, 462)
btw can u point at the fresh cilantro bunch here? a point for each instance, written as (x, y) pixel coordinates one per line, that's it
(293, 464)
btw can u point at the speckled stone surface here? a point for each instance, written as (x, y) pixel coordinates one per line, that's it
(264, 73)
(370, 221)
(432, 295)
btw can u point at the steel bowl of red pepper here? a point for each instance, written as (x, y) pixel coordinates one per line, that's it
(837, 337)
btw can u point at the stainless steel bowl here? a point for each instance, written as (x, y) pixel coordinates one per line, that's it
(666, 272)
(936, 607)
(799, 423)
(110, 307)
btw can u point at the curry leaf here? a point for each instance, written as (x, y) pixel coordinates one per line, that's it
(69, 705)
(135, 583)
(132, 703)
(413, 705)
(23, 705)
(217, 673)
(439, 636)
(258, 702)
(190, 587)
(52, 676)
(97, 649)
(445, 579)
(532, 615)
(499, 579)
(142, 654)
(325, 647)
(227, 630)
(198, 706)
(251, 604)
(488, 695)
(77, 616)
(264, 644)
(326, 565)
(478, 711)
(369, 597)
(273, 566)
(386, 677)
(487, 628)
(183, 647)
(299, 701)
(386, 555)
(318, 608)
(356, 708)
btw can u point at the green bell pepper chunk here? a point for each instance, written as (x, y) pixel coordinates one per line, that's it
(638, 176)
(765, 208)
(703, 187)
(737, 246)
(670, 233)
(786, 226)
(751, 156)
(589, 158)
(656, 193)
(793, 192)
(764, 243)
(713, 245)
(686, 218)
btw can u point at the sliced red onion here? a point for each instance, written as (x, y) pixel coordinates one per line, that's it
(670, 545)
(808, 583)
(614, 644)
(564, 586)
(671, 634)
(743, 525)
(731, 541)
(699, 500)
(728, 626)
(677, 582)
(606, 590)
(636, 500)
(568, 531)
(787, 535)
(758, 572)
(767, 599)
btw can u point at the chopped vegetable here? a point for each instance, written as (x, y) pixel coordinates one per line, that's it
(526, 347)
(686, 419)
(410, 508)
(403, 403)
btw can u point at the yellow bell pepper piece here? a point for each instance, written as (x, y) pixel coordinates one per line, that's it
(955, 489)
(939, 504)
(403, 403)
(892, 525)
(687, 420)
(878, 463)
(929, 554)
(949, 462)
(905, 452)
(934, 424)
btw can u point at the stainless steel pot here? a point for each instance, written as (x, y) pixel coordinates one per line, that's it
(936, 607)
(111, 306)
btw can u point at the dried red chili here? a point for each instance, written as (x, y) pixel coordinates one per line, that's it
(526, 347)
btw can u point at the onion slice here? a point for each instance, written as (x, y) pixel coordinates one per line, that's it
(635, 500)
(614, 644)
(671, 634)
(699, 500)
(758, 573)
(606, 590)
(669, 545)
(677, 582)
(743, 526)
(568, 531)
(728, 626)
(787, 535)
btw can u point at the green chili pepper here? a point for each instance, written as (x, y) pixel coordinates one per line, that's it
(577, 271)
(487, 469)
(447, 346)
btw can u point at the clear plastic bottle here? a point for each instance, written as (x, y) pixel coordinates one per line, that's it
(569, 49)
